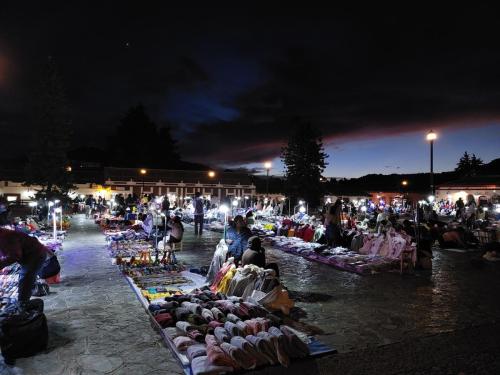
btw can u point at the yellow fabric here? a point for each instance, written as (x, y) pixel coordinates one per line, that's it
(226, 280)
(153, 296)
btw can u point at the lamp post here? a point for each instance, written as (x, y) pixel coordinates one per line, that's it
(224, 209)
(431, 136)
(143, 172)
(268, 166)
(50, 204)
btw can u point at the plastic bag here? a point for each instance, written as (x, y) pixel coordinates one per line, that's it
(50, 267)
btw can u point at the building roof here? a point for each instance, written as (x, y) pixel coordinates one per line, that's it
(173, 176)
(476, 181)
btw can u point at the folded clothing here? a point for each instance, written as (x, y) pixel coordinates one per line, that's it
(243, 359)
(232, 329)
(248, 348)
(192, 307)
(280, 345)
(183, 342)
(216, 355)
(221, 335)
(232, 318)
(196, 350)
(264, 347)
(196, 319)
(207, 315)
(182, 313)
(257, 325)
(203, 366)
(243, 328)
(218, 314)
(164, 320)
(296, 347)
(190, 330)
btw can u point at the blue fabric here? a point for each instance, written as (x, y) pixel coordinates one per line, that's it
(240, 241)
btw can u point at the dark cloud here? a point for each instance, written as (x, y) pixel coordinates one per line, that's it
(232, 80)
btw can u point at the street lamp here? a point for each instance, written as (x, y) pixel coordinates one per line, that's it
(404, 183)
(143, 172)
(211, 174)
(431, 137)
(224, 209)
(268, 166)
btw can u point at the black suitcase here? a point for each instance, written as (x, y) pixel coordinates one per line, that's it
(24, 337)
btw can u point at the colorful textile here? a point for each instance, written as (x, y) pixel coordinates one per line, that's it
(183, 342)
(243, 359)
(203, 366)
(195, 351)
(264, 347)
(216, 355)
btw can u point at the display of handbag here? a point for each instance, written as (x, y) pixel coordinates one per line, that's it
(50, 267)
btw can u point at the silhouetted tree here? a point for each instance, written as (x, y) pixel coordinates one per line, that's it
(137, 142)
(463, 165)
(47, 162)
(475, 164)
(304, 160)
(469, 166)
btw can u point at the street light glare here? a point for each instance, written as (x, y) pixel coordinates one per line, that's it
(211, 174)
(404, 183)
(267, 165)
(143, 171)
(431, 136)
(224, 209)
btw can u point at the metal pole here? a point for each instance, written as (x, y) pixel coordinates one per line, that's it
(432, 168)
(267, 183)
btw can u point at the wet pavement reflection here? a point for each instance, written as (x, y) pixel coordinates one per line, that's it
(361, 311)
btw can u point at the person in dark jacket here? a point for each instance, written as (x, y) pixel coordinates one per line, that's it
(29, 253)
(198, 213)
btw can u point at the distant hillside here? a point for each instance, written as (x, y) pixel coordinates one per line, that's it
(417, 182)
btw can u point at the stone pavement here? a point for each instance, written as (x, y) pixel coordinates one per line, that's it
(440, 322)
(96, 324)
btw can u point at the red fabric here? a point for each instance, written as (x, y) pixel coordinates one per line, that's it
(308, 234)
(164, 320)
(18, 247)
(54, 279)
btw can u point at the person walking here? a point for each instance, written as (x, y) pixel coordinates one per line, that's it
(198, 214)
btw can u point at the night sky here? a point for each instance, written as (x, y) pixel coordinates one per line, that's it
(230, 80)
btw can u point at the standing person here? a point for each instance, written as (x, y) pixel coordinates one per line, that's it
(198, 213)
(89, 204)
(460, 208)
(29, 253)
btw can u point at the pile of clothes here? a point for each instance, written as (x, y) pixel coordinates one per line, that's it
(222, 334)
(339, 257)
(388, 245)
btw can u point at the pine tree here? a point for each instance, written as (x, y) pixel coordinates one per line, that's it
(47, 162)
(304, 160)
(152, 149)
(475, 164)
(464, 165)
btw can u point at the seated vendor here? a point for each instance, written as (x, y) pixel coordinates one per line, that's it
(237, 238)
(176, 230)
(255, 254)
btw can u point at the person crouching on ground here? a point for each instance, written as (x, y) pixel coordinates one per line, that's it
(29, 253)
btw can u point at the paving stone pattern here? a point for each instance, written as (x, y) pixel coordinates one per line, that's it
(439, 322)
(96, 324)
